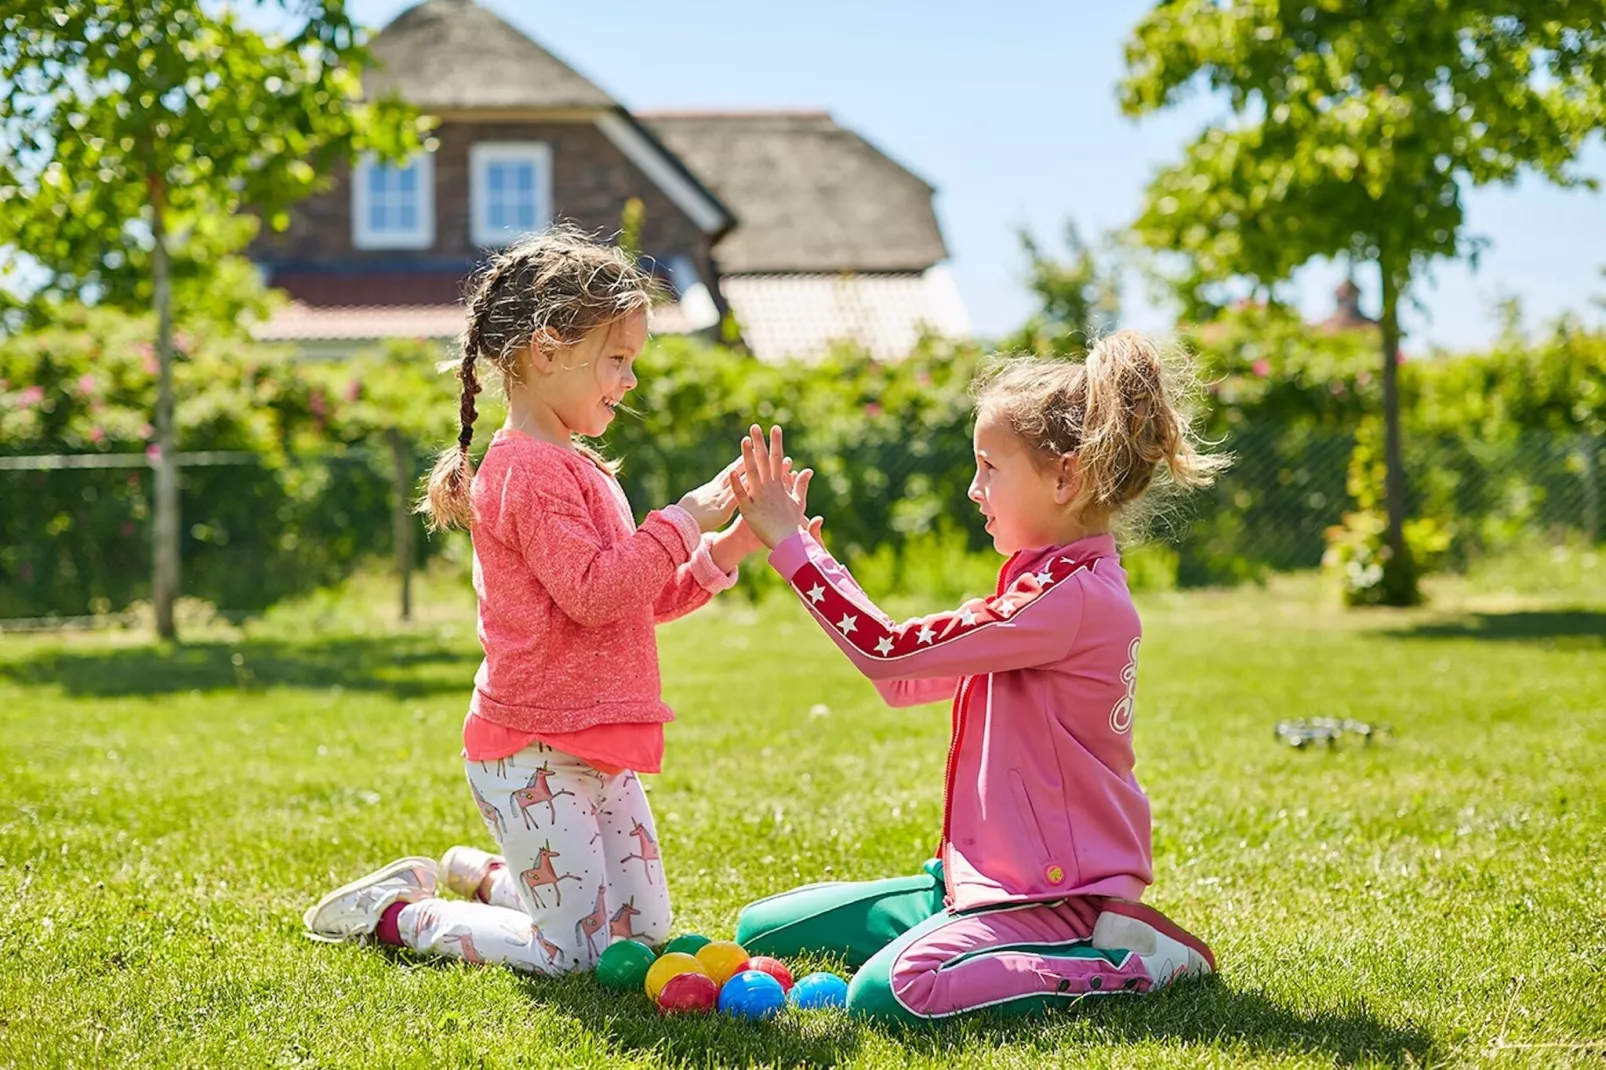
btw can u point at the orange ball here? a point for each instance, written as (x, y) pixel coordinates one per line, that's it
(669, 966)
(722, 960)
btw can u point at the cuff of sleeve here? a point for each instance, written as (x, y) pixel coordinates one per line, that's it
(706, 573)
(791, 554)
(686, 524)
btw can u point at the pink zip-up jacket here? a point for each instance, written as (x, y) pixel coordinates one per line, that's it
(1040, 799)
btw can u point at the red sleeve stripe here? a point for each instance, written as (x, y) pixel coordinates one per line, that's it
(870, 637)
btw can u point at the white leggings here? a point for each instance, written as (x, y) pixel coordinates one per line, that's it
(581, 869)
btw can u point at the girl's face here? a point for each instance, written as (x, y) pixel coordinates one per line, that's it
(583, 384)
(1024, 500)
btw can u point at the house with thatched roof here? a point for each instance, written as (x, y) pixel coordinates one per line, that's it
(786, 226)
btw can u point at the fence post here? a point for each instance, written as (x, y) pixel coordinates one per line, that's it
(401, 515)
(1589, 475)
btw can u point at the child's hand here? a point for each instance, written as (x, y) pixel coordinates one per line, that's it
(772, 500)
(712, 503)
(743, 540)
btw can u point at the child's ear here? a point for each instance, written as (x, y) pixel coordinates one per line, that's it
(542, 352)
(1065, 479)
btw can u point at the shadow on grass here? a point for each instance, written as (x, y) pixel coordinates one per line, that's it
(404, 666)
(1207, 1016)
(1576, 627)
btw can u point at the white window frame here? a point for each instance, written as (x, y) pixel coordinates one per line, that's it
(421, 236)
(480, 156)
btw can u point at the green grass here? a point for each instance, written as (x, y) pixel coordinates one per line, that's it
(166, 815)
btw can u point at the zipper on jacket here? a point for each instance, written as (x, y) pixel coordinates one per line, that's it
(961, 703)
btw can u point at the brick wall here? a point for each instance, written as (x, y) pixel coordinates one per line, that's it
(591, 181)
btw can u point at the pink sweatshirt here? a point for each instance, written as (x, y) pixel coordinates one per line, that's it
(569, 593)
(1040, 802)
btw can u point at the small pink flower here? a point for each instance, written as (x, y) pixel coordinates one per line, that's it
(315, 403)
(353, 390)
(1399, 356)
(1363, 378)
(872, 409)
(1262, 367)
(150, 366)
(31, 396)
(153, 453)
(86, 384)
(146, 350)
(96, 435)
(133, 479)
(1338, 390)
(146, 430)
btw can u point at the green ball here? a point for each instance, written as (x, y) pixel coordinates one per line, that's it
(689, 943)
(625, 964)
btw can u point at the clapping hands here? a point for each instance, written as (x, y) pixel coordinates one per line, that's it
(773, 499)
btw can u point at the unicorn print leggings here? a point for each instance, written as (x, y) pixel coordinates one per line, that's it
(581, 869)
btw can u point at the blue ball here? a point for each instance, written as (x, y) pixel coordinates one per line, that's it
(819, 991)
(751, 994)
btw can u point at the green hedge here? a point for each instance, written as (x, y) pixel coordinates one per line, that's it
(1498, 447)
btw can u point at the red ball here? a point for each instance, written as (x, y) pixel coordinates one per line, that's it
(688, 993)
(774, 967)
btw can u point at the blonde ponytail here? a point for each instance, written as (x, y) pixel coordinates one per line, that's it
(1126, 413)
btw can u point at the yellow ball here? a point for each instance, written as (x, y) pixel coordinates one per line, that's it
(721, 959)
(667, 966)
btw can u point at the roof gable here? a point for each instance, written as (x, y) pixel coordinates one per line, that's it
(445, 55)
(808, 195)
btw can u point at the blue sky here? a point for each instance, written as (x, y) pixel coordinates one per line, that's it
(1010, 112)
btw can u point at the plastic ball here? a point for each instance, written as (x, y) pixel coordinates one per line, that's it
(751, 994)
(820, 991)
(722, 959)
(668, 966)
(688, 993)
(774, 967)
(625, 964)
(687, 944)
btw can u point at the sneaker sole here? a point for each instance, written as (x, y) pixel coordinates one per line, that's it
(1152, 917)
(396, 867)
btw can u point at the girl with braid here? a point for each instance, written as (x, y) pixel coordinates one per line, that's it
(566, 709)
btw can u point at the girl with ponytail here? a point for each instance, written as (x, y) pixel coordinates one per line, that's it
(566, 709)
(1032, 899)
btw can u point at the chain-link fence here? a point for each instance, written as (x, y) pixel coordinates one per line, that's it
(76, 540)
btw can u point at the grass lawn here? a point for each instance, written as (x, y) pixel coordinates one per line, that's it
(1435, 899)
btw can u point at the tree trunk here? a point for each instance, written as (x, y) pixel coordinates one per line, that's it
(165, 544)
(1399, 574)
(401, 516)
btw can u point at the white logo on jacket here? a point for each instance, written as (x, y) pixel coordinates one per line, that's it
(1121, 715)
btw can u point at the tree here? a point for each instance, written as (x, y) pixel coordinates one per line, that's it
(1357, 128)
(1076, 298)
(140, 132)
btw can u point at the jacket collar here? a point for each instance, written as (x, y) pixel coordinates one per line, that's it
(1081, 552)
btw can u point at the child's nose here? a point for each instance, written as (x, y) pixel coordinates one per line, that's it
(974, 494)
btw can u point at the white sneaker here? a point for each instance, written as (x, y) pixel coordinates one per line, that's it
(353, 912)
(1168, 953)
(465, 869)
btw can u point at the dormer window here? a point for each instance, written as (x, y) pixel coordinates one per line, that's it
(510, 190)
(393, 207)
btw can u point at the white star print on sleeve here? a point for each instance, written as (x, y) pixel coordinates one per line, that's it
(1033, 622)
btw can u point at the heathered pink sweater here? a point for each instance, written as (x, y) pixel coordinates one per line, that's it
(570, 590)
